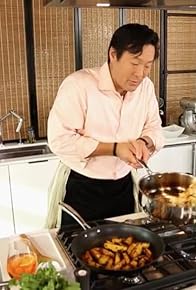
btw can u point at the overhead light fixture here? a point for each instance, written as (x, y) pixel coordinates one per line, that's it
(103, 4)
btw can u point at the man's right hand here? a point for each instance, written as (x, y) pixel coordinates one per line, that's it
(131, 151)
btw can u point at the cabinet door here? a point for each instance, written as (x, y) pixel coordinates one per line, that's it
(29, 185)
(6, 215)
(171, 159)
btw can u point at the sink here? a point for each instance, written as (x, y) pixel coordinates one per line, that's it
(23, 151)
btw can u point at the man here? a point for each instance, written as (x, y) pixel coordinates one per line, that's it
(103, 120)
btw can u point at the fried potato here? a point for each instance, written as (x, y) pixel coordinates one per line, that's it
(119, 254)
(96, 252)
(109, 265)
(107, 252)
(103, 259)
(147, 252)
(131, 247)
(136, 251)
(117, 258)
(117, 240)
(126, 258)
(113, 247)
(119, 265)
(128, 241)
(133, 264)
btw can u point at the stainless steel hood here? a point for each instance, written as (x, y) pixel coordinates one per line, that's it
(150, 4)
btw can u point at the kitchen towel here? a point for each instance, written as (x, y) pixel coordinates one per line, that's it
(56, 193)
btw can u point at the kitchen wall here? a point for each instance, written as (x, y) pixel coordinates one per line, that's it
(35, 60)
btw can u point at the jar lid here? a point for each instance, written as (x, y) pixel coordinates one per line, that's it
(188, 103)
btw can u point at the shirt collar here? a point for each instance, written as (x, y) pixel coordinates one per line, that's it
(105, 82)
(105, 79)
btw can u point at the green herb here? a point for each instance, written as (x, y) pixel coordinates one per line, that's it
(45, 279)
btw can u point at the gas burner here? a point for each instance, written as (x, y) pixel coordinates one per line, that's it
(136, 280)
(186, 248)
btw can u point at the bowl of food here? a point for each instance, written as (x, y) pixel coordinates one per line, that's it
(172, 131)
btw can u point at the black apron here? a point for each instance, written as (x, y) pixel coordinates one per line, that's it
(98, 198)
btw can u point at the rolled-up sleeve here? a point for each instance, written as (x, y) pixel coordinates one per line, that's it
(66, 121)
(152, 127)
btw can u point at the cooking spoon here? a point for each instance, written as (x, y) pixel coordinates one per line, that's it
(41, 258)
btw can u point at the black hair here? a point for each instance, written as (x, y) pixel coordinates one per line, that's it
(132, 37)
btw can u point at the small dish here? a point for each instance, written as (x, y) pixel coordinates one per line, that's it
(172, 131)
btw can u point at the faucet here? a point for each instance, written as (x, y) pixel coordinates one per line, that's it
(1, 120)
(18, 128)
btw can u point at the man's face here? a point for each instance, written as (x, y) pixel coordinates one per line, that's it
(129, 71)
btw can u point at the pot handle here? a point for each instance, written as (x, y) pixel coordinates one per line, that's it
(144, 165)
(74, 214)
(140, 195)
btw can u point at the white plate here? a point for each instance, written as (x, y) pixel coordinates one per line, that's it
(181, 138)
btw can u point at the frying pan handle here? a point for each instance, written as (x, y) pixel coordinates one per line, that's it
(72, 212)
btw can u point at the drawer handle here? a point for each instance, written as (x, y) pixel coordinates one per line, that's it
(38, 161)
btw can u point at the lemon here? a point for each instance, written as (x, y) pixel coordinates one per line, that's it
(27, 260)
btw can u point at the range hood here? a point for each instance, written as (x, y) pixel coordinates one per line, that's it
(151, 4)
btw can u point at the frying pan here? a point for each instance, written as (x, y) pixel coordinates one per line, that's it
(96, 236)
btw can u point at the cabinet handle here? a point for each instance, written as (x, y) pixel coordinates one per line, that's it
(38, 161)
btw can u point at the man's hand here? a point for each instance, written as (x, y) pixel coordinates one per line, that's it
(131, 151)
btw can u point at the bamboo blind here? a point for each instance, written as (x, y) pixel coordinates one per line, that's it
(152, 19)
(98, 26)
(13, 67)
(55, 58)
(181, 56)
(181, 43)
(54, 55)
(179, 86)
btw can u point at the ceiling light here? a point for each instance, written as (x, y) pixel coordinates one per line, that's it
(103, 4)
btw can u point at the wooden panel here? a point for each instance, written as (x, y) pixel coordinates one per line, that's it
(181, 43)
(13, 80)
(152, 19)
(54, 55)
(98, 26)
(179, 86)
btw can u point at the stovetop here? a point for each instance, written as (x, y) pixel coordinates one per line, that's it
(174, 270)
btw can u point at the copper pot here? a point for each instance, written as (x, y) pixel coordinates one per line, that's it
(164, 196)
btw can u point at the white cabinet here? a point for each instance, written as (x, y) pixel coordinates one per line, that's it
(6, 215)
(29, 187)
(176, 158)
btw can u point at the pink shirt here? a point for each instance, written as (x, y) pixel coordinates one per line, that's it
(88, 110)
